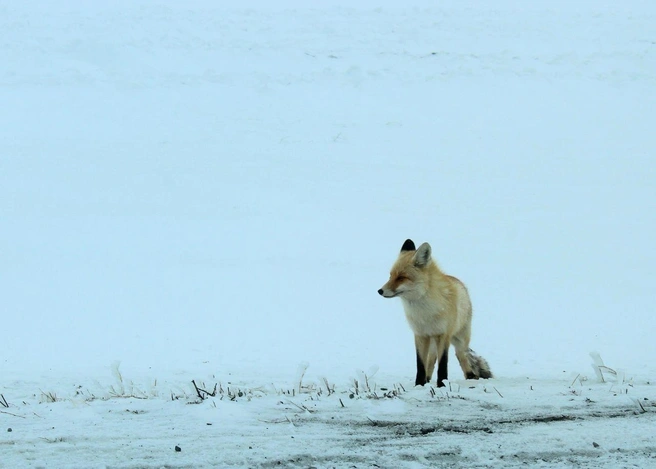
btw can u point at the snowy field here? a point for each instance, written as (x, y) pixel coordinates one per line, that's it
(199, 200)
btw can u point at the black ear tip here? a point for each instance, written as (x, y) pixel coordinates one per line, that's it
(408, 245)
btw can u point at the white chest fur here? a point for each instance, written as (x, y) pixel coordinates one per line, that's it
(425, 317)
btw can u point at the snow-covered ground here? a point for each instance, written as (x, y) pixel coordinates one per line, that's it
(214, 191)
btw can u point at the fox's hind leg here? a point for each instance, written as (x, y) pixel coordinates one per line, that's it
(461, 345)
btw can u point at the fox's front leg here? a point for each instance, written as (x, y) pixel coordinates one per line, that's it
(422, 345)
(443, 360)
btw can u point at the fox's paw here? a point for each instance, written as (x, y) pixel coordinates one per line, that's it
(420, 380)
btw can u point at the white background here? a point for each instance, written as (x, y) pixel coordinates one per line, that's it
(211, 189)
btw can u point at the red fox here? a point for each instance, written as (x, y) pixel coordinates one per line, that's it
(439, 311)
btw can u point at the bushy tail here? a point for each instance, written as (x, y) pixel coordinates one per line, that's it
(479, 365)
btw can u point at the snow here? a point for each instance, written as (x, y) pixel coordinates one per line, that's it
(214, 192)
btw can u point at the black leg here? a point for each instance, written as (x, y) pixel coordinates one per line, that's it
(421, 372)
(442, 369)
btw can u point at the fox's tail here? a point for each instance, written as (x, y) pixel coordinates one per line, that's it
(479, 365)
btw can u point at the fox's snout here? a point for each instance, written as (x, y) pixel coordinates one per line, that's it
(387, 293)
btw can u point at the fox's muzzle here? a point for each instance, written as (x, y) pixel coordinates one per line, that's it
(381, 292)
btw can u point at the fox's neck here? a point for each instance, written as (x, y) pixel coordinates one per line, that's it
(435, 289)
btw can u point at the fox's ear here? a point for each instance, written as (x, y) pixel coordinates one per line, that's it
(423, 255)
(408, 245)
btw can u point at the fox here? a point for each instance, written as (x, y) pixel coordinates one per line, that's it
(439, 311)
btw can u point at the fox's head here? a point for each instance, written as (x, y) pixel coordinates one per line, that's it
(408, 276)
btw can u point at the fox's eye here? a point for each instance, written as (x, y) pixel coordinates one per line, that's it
(401, 278)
